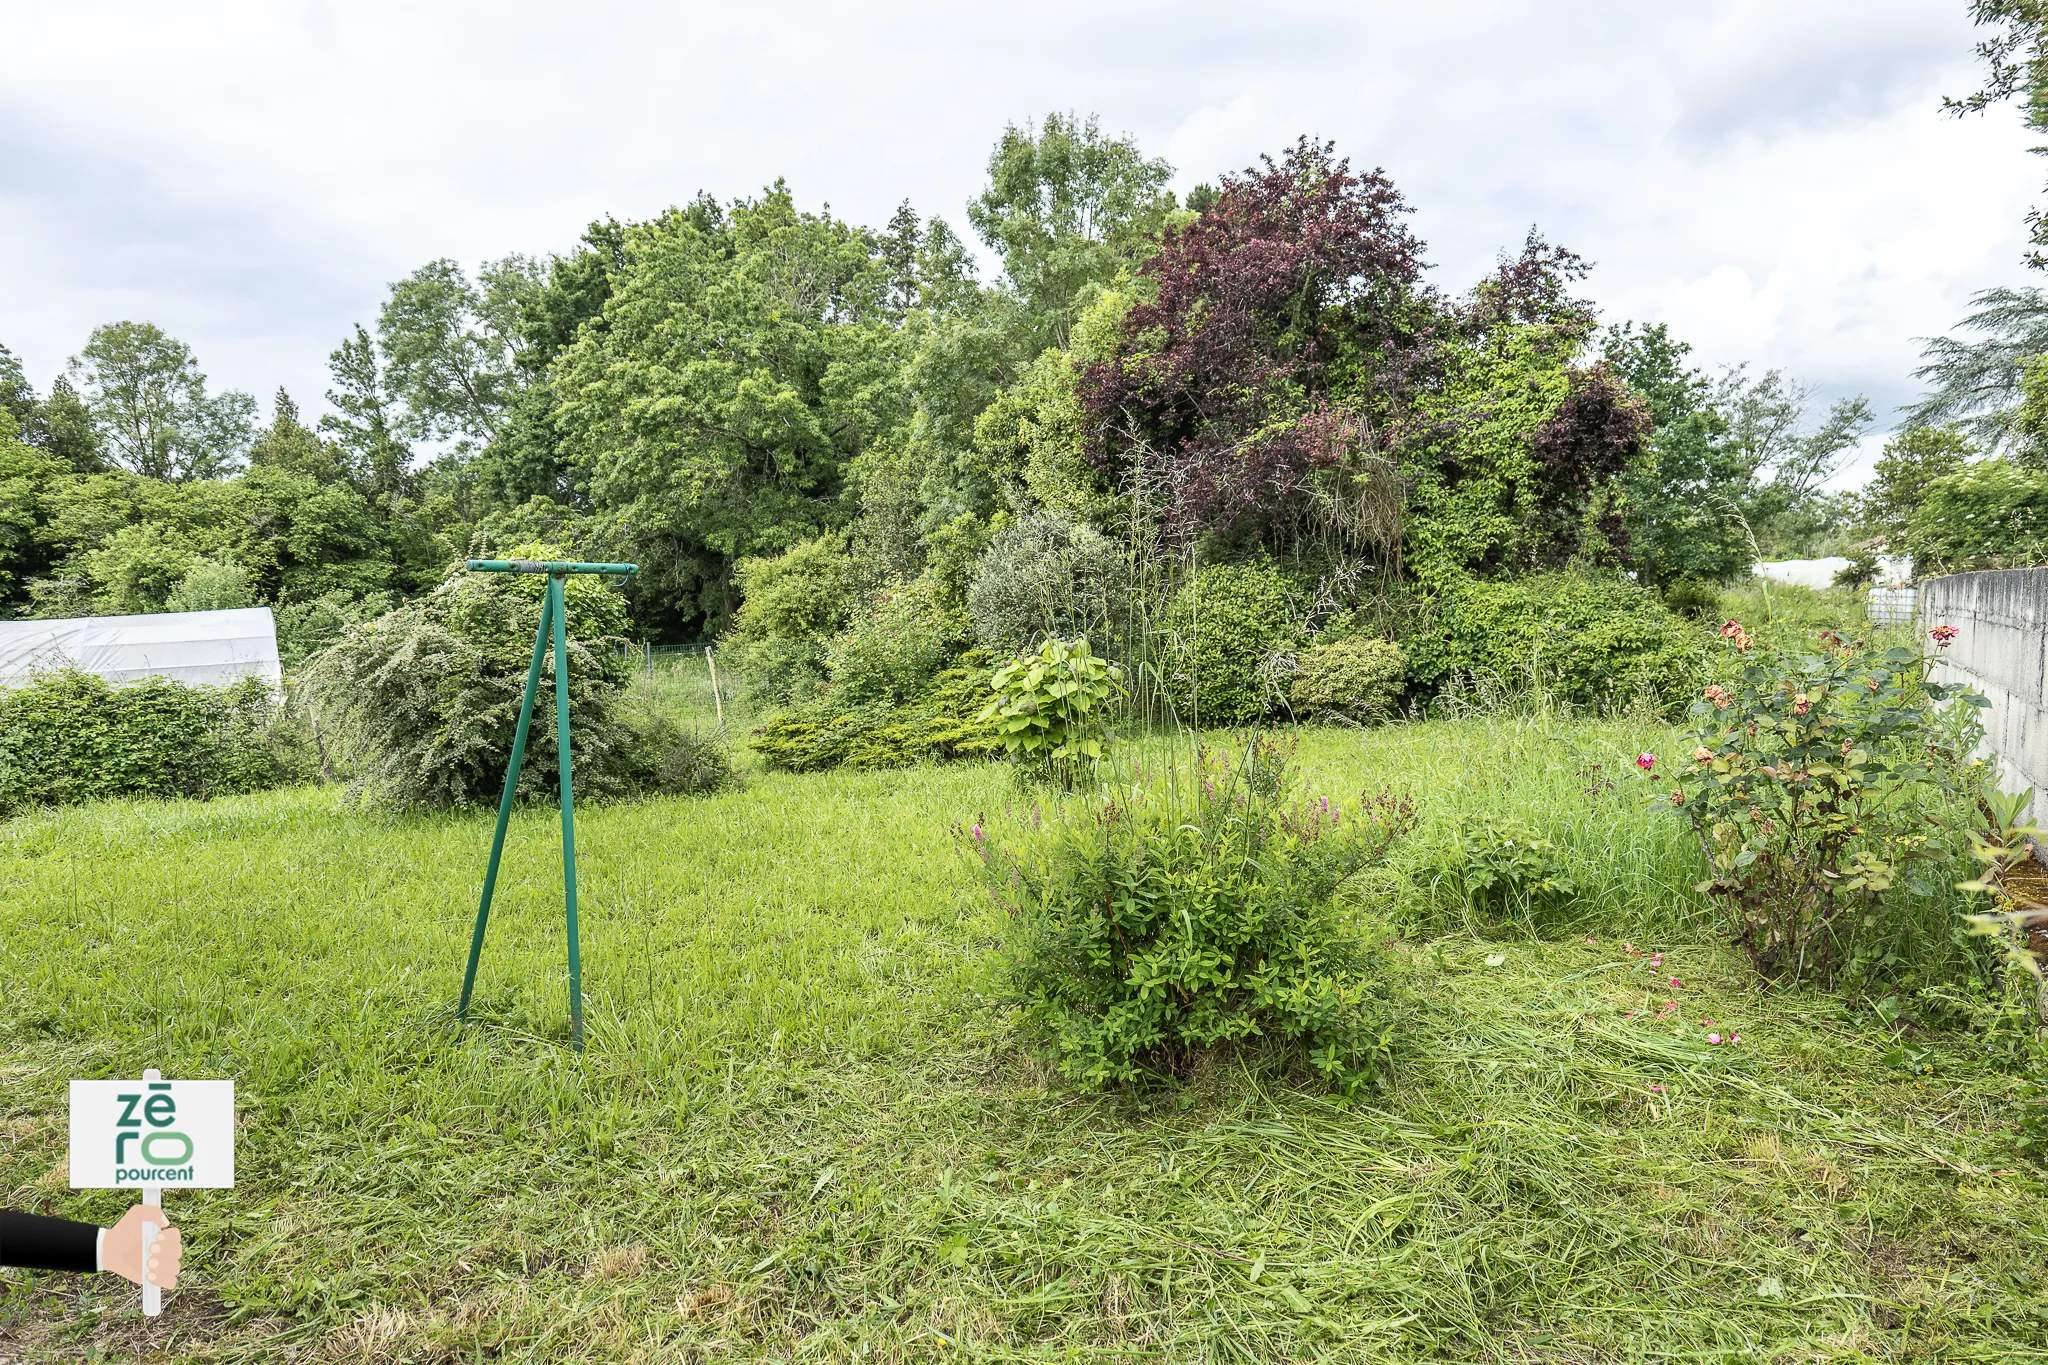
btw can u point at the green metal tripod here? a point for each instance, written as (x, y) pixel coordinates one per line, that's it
(554, 618)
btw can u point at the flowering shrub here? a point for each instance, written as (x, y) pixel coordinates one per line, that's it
(1048, 706)
(1813, 783)
(1183, 915)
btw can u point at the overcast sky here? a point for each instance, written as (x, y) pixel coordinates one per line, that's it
(1774, 180)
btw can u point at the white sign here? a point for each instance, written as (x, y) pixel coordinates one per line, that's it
(130, 1134)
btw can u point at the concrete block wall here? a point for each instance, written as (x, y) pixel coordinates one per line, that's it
(2001, 649)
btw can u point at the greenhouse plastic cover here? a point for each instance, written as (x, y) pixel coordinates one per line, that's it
(196, 647)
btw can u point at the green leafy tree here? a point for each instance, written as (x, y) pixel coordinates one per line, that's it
(2015, 56)
(17, 395)
(150, 409)
(450, 347)
(26, 474)
(1990, 514)
(1068, 208)
(1682, 499)
(1912, 460)
(286, 444)
(745, 362)
(363, 425)
(64, 428)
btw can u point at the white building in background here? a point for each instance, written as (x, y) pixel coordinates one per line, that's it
(1892, 570)
(203, 648)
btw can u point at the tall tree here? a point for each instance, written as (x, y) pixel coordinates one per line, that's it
(363, 424)
(1280, 324)
(1067, 208)
(150, 409)
(17, 395)
(287, 445)
(1976, 382)
(1912, 460)
(450, 348)
(745, 361)
(1682, 501)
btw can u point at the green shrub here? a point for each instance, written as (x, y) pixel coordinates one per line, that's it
(1184, 916)
(1991, 514)
(1510, 874)
(1049, 707)
(791, 607)
(422, 703)
(1584, 638)
(1823, 783)
(1224, 628)
(1355, 676)
(664, 755)
(806, 592)
(1046, 576)
(893, 650)
(72, 736)
(941, 725)
(305, 628)
(1694, 597)
(213, 585)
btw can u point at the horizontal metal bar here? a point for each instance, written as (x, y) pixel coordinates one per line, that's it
(547, 566)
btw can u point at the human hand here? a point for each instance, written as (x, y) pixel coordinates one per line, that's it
(121, 1250)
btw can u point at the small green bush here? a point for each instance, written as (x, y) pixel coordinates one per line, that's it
(422, 703)
(667, 756)
(1693, 597)
(893, 650)
(1510, 874)
(1181, 917)
(806, 592)
(72, 736)
(1049, 707)
(1585, 638)
(943, 724)
(1355, 676)
(213, 585)
(1046, 576)
(792, 606)
(1224, 628)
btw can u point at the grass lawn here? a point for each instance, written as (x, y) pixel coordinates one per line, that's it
(805, 1128)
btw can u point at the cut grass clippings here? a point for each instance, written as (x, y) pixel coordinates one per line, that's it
(805, 1129)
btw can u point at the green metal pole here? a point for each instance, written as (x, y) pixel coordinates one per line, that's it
(483, 908)
(560, 606)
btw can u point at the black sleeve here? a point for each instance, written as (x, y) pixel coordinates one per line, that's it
(37, 1243)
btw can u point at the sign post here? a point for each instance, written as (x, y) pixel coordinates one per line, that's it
(554, 619)
(151, 1135)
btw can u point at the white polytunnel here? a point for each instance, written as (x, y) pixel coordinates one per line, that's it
(203, 648)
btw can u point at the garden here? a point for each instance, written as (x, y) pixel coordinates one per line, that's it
(1209, 800)
(1432, 1038)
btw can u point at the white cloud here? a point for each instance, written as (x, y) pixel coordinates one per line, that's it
(1775, 181)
